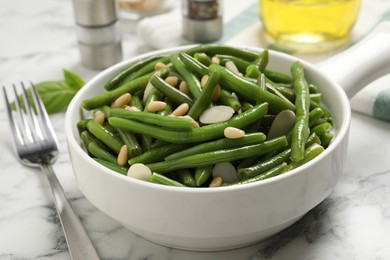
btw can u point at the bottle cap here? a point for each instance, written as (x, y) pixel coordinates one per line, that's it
(94, 12)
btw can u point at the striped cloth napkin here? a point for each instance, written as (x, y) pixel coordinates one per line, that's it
(244, 28)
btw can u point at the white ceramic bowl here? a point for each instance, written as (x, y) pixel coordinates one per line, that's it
(225, 217)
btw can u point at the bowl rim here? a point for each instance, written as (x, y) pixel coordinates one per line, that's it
(74, 106)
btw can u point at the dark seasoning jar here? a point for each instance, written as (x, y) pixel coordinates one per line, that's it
(202, 20)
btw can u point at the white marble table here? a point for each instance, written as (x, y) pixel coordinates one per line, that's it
(37, 41)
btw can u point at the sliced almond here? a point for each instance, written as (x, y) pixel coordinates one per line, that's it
(216, 114)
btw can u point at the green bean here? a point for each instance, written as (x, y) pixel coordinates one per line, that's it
(262, 60)
(213, 49)
(82, 125)
(175, 123)
(310, 153)
(119, 77)
(193, 64)
(146, 143)
(266, 175)
(249, 90)
(326, 138)
(150, 67)
(162, 179)
(99, 152)
(213, 157)
(201, 134)
(186, 177)
(133, 147)
(136, 102)
(300, 131)
(193, 82)
(313, 89)
(112, 140)
(204, 99)
(314, 115)
(228, 99)
(252, 72)
(203, 58)
(202, 174)
(278, 77)
(154, 95)
(156, 154)
(316, 97)
(240, 63)
(220, 144)
(322, 128)
(263, 166)
(174, 95)
(246, 106)
(108, 97)
(113, 166)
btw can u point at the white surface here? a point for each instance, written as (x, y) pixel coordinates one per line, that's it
(38, 40)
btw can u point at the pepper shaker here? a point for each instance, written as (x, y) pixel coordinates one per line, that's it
(98, 33)
(202, 20)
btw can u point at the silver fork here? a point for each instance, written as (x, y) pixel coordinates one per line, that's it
(36, 146)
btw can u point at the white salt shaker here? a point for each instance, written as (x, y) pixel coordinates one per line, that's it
(98, 33)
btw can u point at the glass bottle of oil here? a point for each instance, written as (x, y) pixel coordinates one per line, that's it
(309, 25)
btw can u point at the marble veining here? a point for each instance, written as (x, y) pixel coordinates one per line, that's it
(38, 41)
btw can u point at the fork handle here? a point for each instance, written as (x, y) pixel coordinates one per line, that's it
(79, 245)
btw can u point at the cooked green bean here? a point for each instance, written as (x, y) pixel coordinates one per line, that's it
(113, 166)
(220, 144)
(133, 146)
(322, 128)
(175, 123)
(193, 64)
(326, 138)
(108, 97)
(314, 115)
(162, 179)
(136, 102)
(228, 99)
(214, 157)
(193, 82)
(204, 99)
(262, 60)
(202, 174)
(300, 131)
(278, 77)
(214, 49)
(249, 90)
(202, 58)
(186, 177)
(266, 175)
(175, 95)
(107, 137)
(118, 78)
(310, 153)
(263, 166)
(201, 134)
(99, 152)
(157, 154)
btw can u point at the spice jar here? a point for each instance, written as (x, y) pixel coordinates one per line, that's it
(98, 33)
(202, 20)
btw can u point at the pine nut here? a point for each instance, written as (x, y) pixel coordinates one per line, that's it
(156, 106)
(123, 155)
(233, 133)
(215, 60)
(159, 66)
(122, 101)
(216, 182)
(172, 80)
(99, 117)
(181, 110)
(183, 87)
(132, 108)
(139, 171)
(204, 80)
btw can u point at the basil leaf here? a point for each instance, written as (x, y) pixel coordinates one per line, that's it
(56, 95)
(73, 80)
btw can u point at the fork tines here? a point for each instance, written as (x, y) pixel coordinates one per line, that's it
(27, 115)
